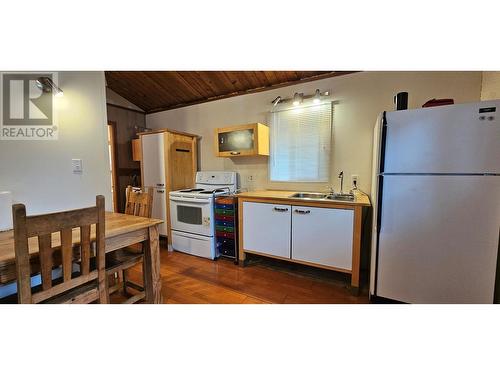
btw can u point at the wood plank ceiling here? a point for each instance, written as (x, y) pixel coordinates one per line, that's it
(159, 91)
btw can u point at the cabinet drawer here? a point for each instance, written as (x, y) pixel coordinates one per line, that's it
(266, 228)
(323, 236)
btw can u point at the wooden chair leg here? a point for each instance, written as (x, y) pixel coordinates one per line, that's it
(107, 287)
(111, 281)
(124, 281)
(144, 273)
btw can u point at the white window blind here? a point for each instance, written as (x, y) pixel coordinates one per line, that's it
(300, 144)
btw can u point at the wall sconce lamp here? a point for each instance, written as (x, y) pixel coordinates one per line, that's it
(48, 86)
(298, 98)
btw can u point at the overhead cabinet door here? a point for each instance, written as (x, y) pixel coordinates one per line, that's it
(266, 228)
(322, 236)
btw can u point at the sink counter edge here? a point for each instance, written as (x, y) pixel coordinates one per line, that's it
(284, 196)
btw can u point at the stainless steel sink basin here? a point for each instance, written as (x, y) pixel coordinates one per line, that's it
(309, 195)
(346, 197)
(341, 197)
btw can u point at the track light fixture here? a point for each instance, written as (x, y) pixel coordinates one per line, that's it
(298, 98)
(48, 86)
(317, 97)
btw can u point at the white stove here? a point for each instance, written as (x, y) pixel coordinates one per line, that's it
(192, 212)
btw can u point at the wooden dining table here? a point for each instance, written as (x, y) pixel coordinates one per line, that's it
(121, 231)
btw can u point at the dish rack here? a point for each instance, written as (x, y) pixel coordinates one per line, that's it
(226, 227)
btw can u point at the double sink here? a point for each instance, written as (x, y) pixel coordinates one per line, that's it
(322, 196)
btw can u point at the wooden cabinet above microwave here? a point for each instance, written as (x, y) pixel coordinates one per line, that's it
(242, 140)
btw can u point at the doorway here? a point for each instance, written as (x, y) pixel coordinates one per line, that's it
(112, 164)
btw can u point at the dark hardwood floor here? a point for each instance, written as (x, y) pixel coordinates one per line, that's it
(189, 279)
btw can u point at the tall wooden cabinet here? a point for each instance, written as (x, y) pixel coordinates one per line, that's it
(168, 162)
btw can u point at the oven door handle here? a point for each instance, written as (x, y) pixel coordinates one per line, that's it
(190, 200)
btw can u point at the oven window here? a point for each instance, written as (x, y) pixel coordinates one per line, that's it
(189, 215)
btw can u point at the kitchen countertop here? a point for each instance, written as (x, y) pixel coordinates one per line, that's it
(284, 195)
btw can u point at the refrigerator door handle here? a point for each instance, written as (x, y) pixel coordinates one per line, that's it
(383, 140)
(379, 201)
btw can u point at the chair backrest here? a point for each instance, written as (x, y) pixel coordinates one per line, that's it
(60, 224)
(139, 203)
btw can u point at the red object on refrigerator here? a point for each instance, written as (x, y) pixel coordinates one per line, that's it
(437, 102)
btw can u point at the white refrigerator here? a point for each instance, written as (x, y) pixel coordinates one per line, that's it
(153, 173)
(436, 188)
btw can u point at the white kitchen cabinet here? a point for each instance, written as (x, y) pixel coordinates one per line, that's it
(153, 174)
(266, 228)
(153, 158)
(323, 236)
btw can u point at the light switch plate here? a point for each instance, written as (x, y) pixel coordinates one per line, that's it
(77, 166)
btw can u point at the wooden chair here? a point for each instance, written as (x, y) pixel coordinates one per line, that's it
(84, 286)
(139, 203)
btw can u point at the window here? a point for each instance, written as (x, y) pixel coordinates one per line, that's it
(300, 144)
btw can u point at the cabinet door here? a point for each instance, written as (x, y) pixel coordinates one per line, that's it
(153, 175)
(182, 163)
(236, 142)
(136, 150)
(266, 228)
(153, 162)
(322, 236)
(160, 209)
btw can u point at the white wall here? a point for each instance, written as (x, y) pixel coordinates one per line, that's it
(490, 88)
(361, 97)
(39, 173)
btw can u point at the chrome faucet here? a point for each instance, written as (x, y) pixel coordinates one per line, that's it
(341, 176)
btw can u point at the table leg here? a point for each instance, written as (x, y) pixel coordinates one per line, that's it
(152, 277)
